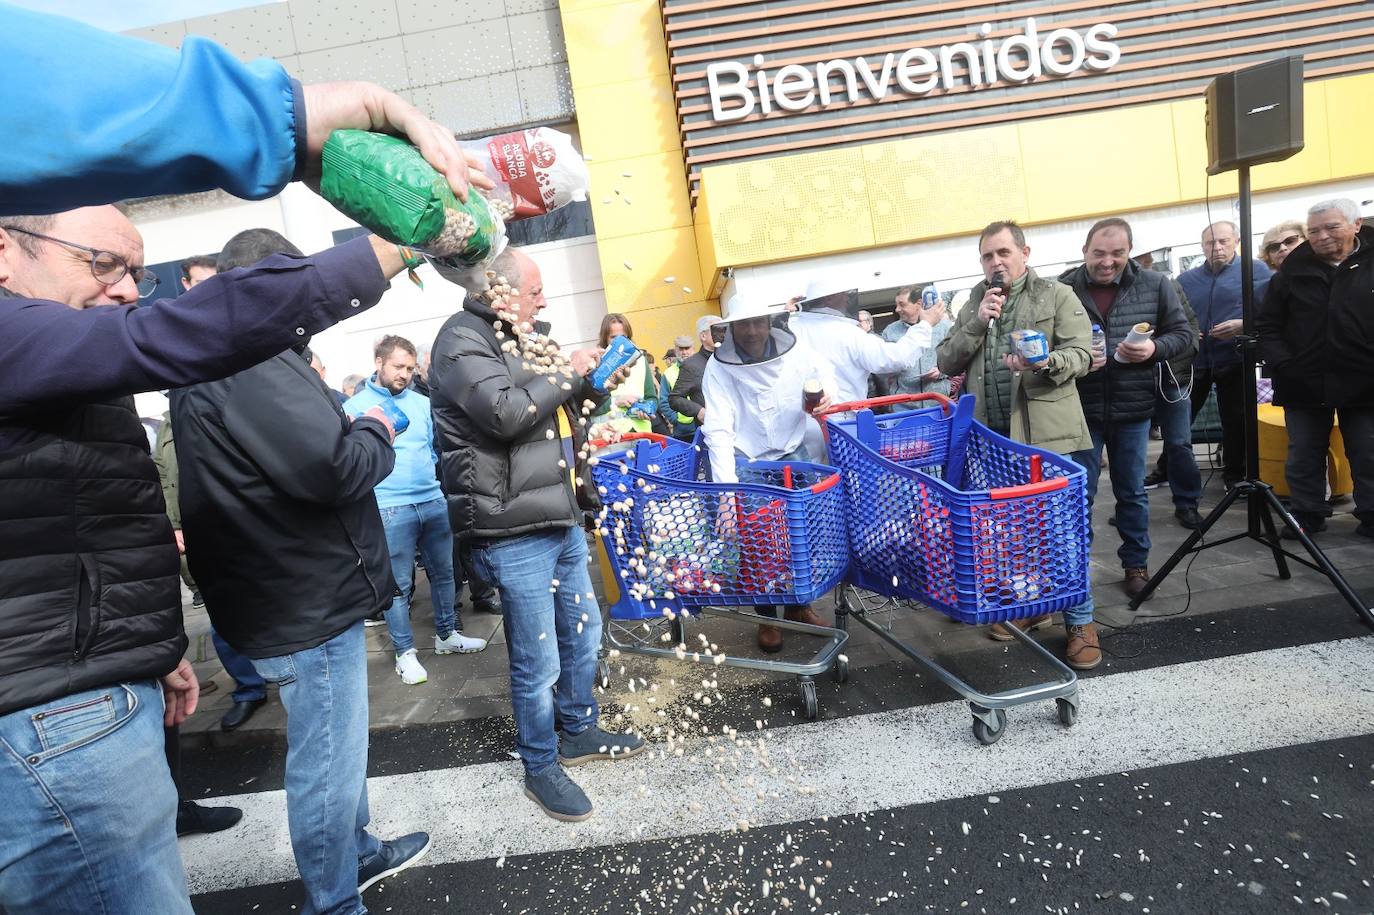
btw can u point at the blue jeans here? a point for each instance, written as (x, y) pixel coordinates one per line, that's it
(1174, 413)
(1125, 443)
(425, 526)
(552, 664)
(324, 690)
(248, 686)
(90, 808)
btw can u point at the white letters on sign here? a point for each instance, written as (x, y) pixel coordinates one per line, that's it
(736, 91)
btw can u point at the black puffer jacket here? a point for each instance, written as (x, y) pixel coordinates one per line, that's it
(1122, 391)
(500, 458)
(1316, 328)
(282, 530)
(89, 594)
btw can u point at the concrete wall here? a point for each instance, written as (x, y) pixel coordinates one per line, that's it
(474, 65)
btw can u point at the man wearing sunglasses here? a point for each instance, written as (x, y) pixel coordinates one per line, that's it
(91, 637)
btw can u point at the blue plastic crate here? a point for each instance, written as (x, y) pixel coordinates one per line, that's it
(676, 542)
(945, 511)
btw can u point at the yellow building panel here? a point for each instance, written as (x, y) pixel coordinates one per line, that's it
(1105, 162)
(655, 328)
(1349, 127)
(650, 269)
(612, 44)
(706, 257)
(626, 119)
(1314, 162)
(789, 207)
(945, 184)
(1190, 155)
(644, 194)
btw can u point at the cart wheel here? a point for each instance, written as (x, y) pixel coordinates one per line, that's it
(603, 673)
(840, 670)
(808, 692)
(1068, 712)
(987, 735)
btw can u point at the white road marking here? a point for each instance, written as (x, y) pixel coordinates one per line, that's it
(1164, 715)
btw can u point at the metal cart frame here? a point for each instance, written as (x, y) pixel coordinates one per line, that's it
(989, 709)
(644, 636)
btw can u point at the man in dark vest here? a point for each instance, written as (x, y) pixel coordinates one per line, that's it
(91, 637)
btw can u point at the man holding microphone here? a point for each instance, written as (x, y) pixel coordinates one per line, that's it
(1037, 405)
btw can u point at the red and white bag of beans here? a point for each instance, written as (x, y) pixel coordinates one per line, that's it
(535, 170)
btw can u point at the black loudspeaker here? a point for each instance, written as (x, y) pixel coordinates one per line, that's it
(1255, 115)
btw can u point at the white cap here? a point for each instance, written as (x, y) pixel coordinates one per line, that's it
(822, 285)
(738, 308)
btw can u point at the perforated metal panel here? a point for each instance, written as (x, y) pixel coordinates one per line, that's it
(822, 194)
(263, 31)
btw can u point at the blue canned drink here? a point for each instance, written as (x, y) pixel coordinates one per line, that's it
(929, 297)
(1032, 345)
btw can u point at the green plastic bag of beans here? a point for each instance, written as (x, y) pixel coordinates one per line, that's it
(386, 185)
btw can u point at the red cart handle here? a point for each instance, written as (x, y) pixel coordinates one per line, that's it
(1029, 489)
(629, 437)
(887, 401)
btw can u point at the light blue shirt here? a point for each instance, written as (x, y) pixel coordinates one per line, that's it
(909, 381)
(413, 480)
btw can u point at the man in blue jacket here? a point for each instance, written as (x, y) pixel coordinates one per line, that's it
(414, 512)
(1213, 289)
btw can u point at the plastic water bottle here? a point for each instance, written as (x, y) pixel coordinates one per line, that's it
(1099, 342)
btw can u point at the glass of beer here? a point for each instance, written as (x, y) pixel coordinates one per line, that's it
(812, 392)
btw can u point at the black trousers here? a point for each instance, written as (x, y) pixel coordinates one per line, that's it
(1229, 381)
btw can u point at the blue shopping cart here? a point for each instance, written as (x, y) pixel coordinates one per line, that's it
(944, 512)
(681, 546)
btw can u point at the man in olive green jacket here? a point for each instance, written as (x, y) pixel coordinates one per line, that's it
(1036, 405)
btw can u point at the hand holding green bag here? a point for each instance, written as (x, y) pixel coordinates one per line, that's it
(386, 185)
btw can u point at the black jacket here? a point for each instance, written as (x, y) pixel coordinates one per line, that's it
(282, 530)
(685, 398)
(88, 567)
(1122, 391)
(500, 459)
(1316, 328)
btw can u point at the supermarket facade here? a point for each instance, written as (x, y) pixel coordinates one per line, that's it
(751, 145)
(747, 146)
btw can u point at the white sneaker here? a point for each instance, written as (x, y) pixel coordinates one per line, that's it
(459, 643)
(408, 666)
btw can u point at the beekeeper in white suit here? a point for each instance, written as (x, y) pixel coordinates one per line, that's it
(755, 406)
(826, 320)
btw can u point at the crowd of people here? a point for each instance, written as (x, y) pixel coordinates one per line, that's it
(296, 513)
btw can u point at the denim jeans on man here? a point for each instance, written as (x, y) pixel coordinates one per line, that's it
(324, 690)
(425, 525)
(90, 808)
(248, 685)
(552, 663)
(1125, 443)
(1174, 413)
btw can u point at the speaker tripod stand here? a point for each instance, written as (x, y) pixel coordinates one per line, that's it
(1261, 503)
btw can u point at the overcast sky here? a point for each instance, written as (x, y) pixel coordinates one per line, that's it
(133, 14)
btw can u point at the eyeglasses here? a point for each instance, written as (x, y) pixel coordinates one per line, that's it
(1288, 242)
(106, 266)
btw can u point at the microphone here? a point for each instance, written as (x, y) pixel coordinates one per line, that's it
(998, 282)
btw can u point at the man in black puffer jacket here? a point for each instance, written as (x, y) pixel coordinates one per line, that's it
(1118, 393)
(499, 426)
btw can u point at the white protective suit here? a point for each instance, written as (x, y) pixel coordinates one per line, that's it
(757, 408)
(853, 354)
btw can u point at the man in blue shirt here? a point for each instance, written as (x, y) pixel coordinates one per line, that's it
(413, 509)
(1213, 288)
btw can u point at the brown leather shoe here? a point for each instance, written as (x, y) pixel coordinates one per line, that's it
(804, 615)
(770, 639)
(1083, 652)
(1136, 580)
(998, 631)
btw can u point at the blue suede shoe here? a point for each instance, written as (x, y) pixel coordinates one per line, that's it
(594, 743)
(557, 795)
(395, 856)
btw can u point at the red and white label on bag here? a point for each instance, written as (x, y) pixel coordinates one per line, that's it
(539, 169)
